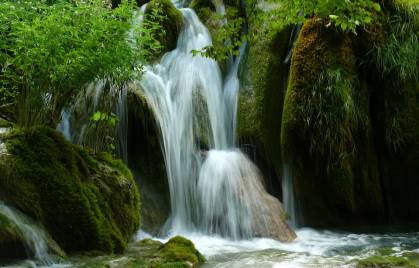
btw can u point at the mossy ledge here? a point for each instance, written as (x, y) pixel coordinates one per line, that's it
(86, 201)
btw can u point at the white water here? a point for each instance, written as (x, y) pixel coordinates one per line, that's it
(34, 237)
(311, 249)
(217, 191)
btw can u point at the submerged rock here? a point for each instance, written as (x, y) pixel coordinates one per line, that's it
(85, 201)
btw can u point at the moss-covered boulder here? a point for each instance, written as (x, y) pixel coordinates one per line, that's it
(179, 250)
(170, 19)
(85, 201)
(327, 136)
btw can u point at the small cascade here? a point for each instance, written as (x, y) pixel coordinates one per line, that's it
(288, 196)
(35, 238)
(122, 131)
(231, 94)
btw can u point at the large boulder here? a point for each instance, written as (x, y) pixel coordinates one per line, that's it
(85, 201)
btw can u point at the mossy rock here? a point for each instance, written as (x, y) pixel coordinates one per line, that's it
(386, 262)
(179, 250)
(170, 19)
(327, 136)
(85, 201)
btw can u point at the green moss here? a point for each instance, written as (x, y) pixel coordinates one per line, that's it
(179, 249)
(393, 81)
(326, 131)
(170, 19)
(85, 202)
(385, 262)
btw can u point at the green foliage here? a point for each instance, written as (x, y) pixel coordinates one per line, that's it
(86, 201)
(399, 53)
(163, 22)
(102, 125)
(48, 53)
(345, 15)
(228, 37)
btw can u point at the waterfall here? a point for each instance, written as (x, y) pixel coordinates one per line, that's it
(219, 190)
(122, 131)
(34, 237)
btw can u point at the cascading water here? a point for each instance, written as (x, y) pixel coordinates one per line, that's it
(34, 237)
(216, 191)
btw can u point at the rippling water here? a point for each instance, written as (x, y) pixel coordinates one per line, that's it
(312, 248)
